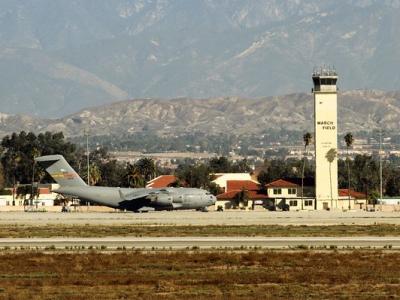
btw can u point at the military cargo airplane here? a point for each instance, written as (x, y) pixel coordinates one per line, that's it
(132, 199)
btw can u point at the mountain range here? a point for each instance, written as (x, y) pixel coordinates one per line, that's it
(58, 57)
(359, 110)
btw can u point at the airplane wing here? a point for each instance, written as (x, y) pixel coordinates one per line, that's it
(136, 195)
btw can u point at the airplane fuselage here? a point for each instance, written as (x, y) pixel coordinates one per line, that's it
(159, 199)
(71, 184)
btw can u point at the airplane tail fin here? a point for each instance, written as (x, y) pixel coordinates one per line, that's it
(59, 169)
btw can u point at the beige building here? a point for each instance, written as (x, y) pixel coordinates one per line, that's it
(357, 200)
(325, 122)
(44, 198)
(285, 192)
(242, 194)
(221, 179)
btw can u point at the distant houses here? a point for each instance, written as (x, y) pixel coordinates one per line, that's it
(243, 191)
(243, 194)
(247, 194)
(237, 191)
(14, 199)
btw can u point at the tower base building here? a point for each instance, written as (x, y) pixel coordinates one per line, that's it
(325, 126)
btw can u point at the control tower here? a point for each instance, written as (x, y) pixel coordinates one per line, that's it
(325, 119)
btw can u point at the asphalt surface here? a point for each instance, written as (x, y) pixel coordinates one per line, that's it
(204, 242)
(202, 218)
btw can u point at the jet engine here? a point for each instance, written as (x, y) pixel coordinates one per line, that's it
(162, 200)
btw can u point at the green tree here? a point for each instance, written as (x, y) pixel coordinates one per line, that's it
(134, 176)
(1, 178)
(113, 173)
(220, 165)
(393, 185)
(213, 188)
(307, 140)
(242, 198)
(365, 171)
(330, 156)
(147, 168)
(94, 174)
(197, 175)
(18, 151)
(348, 138)
(263, 179)
(242, 166)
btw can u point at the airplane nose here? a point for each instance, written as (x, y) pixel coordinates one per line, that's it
(209, 199)
(213, 199)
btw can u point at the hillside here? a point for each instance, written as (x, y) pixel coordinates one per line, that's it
(358, 111)
(57, 57)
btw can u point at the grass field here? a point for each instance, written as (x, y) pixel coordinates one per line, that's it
(14, 231)
(200, 275)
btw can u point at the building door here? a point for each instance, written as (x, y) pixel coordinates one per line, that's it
(325, 205)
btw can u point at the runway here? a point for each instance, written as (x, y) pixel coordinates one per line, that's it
(203, 242)
(202, 219)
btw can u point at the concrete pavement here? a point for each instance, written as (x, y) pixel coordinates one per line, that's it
(201, 218)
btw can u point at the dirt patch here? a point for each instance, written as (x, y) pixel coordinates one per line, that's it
(200, 275)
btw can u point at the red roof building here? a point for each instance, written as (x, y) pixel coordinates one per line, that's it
(44, 191)
(280, 183)
(353, 194)
(251, 195)
(234, 187)
(162, 181)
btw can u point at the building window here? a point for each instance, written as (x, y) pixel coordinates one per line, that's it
(293, 202)
(308, 203)
(292, 191)
(277, 191)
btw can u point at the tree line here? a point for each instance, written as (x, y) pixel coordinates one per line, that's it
(17, 167)
(18, 150)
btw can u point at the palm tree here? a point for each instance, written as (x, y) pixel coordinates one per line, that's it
(330, 156)
(242, 198)
(146, 167)
(348, 138)
(17, 157)
(307, 140)
(94, 174)
(135, 176)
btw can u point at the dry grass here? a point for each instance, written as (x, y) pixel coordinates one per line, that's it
(13, 231)
(202, 275)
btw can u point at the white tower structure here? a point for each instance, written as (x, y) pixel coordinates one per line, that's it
(325, 109)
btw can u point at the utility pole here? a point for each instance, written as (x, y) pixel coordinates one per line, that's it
(88, 161)
(87, 155)
(33, 181)
(380, 166)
